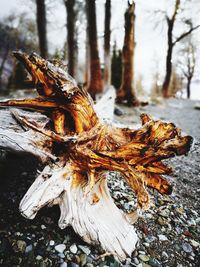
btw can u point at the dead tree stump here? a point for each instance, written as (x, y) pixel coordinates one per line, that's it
(62, 128)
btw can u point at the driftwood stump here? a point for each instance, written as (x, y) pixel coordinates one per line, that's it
(62, 128)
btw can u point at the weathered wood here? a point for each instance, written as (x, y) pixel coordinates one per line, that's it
(79, 148)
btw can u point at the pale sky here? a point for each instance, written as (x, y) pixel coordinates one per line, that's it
(151, 42)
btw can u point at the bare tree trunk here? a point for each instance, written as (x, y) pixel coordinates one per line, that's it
(87, 60)
(188, 86)
(107, 66)
(168, 73)
(71, 33)
(41, 26)
(126, 91)
(5, 56)
(166, 83)
(96, 84)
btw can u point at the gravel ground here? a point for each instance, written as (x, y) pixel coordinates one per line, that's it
(169, 231)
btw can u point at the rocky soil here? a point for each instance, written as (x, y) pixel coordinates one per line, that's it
(169, 231)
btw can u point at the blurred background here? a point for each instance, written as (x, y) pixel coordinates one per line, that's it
(59, 29)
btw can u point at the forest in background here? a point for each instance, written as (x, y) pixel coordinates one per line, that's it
(20, 31)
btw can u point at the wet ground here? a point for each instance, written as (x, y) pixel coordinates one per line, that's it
(169, 231)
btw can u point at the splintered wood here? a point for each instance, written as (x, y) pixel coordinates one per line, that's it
(79, 149)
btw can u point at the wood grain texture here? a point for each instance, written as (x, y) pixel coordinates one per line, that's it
(79, 148)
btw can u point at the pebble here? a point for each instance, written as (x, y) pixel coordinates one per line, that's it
(63, 264)
(51, 242)
(143, 264)
(154, 263)
(83, 259)
(60, 248)
(191, 222)
(194, 243)
(144, 257)
(43, 227)
(61, 255)
(164, 213)
(21, 246)
(38, 258)
(187, 247)
(136, 261)
(146, 244)
(150, 238)
(162, 238)
(85, 249)
(162, 221)
(73, 249)
(29, 248)
(165, 255)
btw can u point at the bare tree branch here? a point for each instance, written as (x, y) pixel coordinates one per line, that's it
(183, 35)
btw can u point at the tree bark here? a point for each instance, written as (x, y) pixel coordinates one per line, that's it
(71, 41)
(188, 86)
(126, 91)
(79, 149)
(96, 85)
(166, 83)
(5, 56)
(87, 60)
(41, 26)
(107, 64)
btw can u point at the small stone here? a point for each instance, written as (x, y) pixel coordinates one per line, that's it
(162, 221)
(144, 257)
(165, 255)
(61, 255)
(136, 261)
(146, 244)
(83, 259)
(162, 238)
(17, 233)
(187, 247)
(63, 264)
(194, 243)
(89, 265)
(29, 248)
(164, 213)
(191, 258)
(43, 227)
(126, 206)
(60, 248)
(51, 242)
(180, 210)
(21, 246)
(191, 222)
(73, 249)
(128, 261)
(85, 249)
(150, 238)
(74, 264)
(187, 233)
(38, 258)
(154, 263)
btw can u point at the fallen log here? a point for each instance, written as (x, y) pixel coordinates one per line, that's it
(62, 128)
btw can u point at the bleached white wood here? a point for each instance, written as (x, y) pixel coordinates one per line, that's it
(97, 222)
